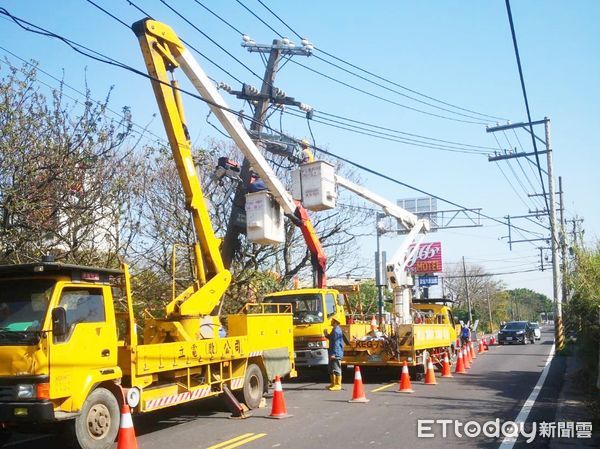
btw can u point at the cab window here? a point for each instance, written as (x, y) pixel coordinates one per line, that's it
(330, 305)
(83, 305)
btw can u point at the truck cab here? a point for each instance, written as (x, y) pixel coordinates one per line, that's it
(58, 339)
(313, 309)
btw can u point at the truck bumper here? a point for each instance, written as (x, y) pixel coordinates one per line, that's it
(311, 357)
(25, 412)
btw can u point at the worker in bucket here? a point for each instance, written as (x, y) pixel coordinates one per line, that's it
(335, 353)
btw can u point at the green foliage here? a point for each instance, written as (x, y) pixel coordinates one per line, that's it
(525, 304)
(582, 311)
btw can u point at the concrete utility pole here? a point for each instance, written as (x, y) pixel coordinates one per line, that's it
(551, 201)
(467, 291)
(262, 101)
(490, 310)
(563, 242)
(233, 225)
(559, 337)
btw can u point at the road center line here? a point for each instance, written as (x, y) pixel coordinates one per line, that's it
(247, 440)
(509, 442)
(232, 440)
(383, 387)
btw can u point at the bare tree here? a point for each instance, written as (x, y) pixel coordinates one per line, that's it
(65, 174)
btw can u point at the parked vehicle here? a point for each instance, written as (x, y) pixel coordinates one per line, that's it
(536, 330)
(516, 332)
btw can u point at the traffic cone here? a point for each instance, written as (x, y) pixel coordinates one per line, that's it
(469, 358)
(493, 342)
(446, 370)
(485, 345)
(126, 439)
(429, 374)
(481, 345)
(466, 358)
(278, 410)
(373, 323)
(405, 386)
(460, 364)
(358, 394)
(473, 354)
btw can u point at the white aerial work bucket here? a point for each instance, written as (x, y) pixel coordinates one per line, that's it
(314, 184)
(264, 219)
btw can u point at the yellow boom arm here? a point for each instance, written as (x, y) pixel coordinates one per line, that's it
(160, 49)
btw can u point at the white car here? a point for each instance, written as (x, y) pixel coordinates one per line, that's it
(536, 330)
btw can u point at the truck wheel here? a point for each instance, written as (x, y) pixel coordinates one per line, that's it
(98, 424)
(254, 384)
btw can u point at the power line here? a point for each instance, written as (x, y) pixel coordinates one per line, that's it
(388, 137)
(145, 13)
(384, 99)
(535, 150)
(404, 132)
(259, 18)
(337, 116)
(111, 61)
(143, 129)
(395, 91)
(378, 76)
(483, 275)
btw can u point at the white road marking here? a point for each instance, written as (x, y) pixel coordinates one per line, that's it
(509, 442)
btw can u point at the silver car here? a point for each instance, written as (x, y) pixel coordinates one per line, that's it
(536, 330)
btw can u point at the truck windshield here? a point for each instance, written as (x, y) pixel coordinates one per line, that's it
(307, 308)
(23, 306)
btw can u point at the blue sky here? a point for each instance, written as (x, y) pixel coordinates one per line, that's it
(459, 52)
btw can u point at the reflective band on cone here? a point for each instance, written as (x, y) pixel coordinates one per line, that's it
(358, 393)
(405, 386)
(126, 439)
(278, 410)
(446, 369)
(430, 375)
(460, 365)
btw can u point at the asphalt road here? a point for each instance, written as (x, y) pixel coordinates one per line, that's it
(497, 386)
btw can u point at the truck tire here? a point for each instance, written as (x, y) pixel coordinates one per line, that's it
(254, 385)
(98, 424)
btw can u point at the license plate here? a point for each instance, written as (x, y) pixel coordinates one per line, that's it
(509, 338)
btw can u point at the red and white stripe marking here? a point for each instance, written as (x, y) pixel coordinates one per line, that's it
(237, 383)
(255, 353)
(176, 398)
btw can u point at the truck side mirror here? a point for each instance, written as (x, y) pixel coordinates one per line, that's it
(59, 322)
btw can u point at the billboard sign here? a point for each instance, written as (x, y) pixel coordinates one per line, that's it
(427, 259)
(428, 281)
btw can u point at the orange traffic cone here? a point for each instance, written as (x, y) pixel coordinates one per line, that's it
(430, 374)
(358, 394)
(466, 358)
(405, 386)
(373, 323)
(278, 410)
(126, 438)
(460, 364)
(472, 353)
(446, 370)
(480, 345)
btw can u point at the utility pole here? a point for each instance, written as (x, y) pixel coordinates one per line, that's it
(490, 310)
(559, 337)
(467, 292)
(563, 242)
(551, 201)
(378, 271)
(262, 102)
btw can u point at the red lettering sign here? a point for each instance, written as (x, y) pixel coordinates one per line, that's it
(426, 259)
